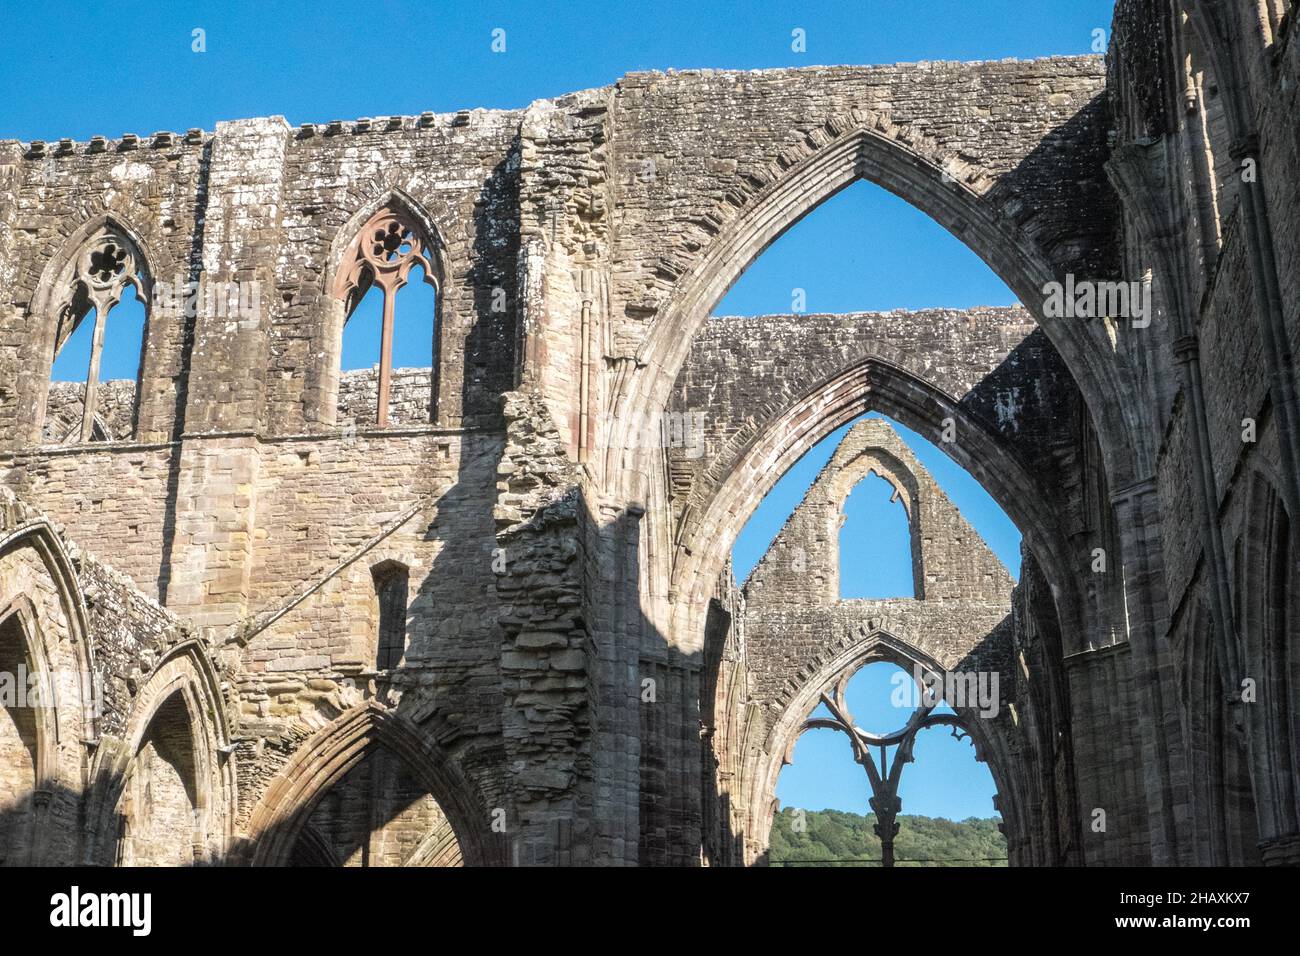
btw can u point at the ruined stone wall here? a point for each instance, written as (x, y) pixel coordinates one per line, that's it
(343, 829)
(1208, 150)
(949, 561)
(675, 143)
(742, 372)
(264, 530)
(793, 636)
(793, 612)
(557, 558)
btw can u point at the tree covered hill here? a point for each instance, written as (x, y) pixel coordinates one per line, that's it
(836, 838)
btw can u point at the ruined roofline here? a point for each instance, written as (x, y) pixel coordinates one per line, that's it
(991, 312)
(1093, 59)
(166, 139)
(126, 141)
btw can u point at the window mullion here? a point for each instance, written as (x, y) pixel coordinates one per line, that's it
(385, 357)
(91, 398)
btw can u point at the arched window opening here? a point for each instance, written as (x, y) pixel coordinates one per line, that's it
(876, 240)
(391, 586)
(859, 251)
(943, 794)
(877, 537)
(161, 795)
(1236, 843)
(1266, 622)
(1226, 830)
(379, 814)
(18, 745)
(99, 345)
(963, 490)
(391, 260)
(1283, 650)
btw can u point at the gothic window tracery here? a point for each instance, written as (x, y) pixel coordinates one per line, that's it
(102, 274)
(389, 251)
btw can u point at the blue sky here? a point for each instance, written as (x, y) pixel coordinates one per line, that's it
(78, 69)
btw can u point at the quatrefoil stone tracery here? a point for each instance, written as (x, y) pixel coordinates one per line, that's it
(107, 263)
(96, 281)
(107, 266)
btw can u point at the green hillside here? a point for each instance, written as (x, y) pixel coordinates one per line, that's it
(835, 838)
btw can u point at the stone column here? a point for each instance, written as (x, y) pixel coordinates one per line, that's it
(1164, 768)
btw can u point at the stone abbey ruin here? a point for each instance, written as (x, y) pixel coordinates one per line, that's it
(269, 613)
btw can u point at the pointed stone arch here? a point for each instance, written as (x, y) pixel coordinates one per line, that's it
(42, 540)
(995, 226)
(42, 605)
(762, 765)
(28, 734)
(1224, 823)
(314, 850)
(326, 759)
(755, 464)
(342, 282)
(1267, 584)
(185, 688)
(67, 291)
(441, 849)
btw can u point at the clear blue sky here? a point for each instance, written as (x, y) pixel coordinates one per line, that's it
(78, 69)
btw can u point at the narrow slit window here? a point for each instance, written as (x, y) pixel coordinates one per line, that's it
(390, 581)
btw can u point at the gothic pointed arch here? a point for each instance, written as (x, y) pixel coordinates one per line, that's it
(101, 264)
(761, 765)
(313, 850)
(440, 849)
(165, 792)
(28, 734)
(381, 247)
(750, 469)
(977, 213)
(1266, 587)
(38, 539)
(1222, 803)
(324, 760)
(44, 627)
